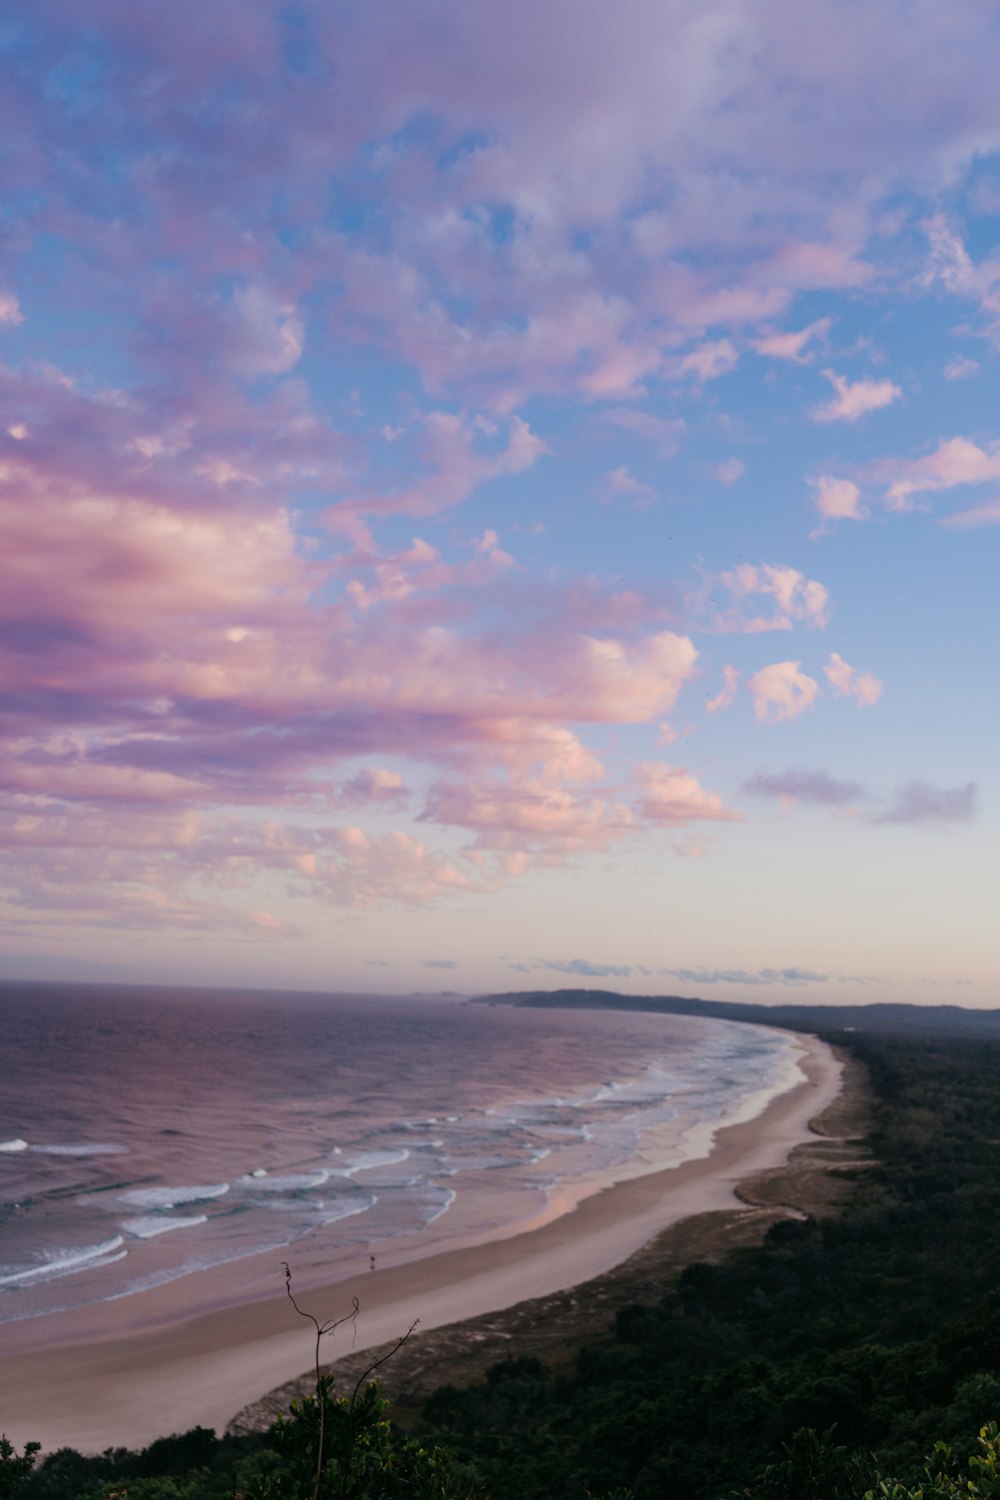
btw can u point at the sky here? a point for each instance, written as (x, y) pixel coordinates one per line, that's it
(501, 496)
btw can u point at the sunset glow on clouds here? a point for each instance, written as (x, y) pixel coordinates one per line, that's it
(456, 462)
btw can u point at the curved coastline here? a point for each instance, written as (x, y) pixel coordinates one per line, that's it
(146, 1371)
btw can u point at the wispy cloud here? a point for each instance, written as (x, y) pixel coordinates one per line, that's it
(793, 346)
(848, 682)
(920, 802)
(726, 697)
(853, 400)
(812, 786)
(585, 968)
(790, 976)
(976, 516)
(955, 461)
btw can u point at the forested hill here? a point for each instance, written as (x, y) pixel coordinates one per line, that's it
(882, 1019)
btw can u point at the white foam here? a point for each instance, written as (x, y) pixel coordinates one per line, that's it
(62, 1262)
(368, 1160)
(452, 1195)
(81, 1150)
(169, 1197)
(148, 1226)
(293, 1183)
(349, 1211)
(15, 1145)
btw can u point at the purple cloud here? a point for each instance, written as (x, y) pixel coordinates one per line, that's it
(586, 969)
(919, 802)
(804, 786)
(745, 976)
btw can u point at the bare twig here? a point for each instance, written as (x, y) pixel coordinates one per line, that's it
(378, 1363)
(330, 1326)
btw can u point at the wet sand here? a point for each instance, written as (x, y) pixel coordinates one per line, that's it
(123, 1373)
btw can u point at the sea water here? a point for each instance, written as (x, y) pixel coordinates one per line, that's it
(148, 1134)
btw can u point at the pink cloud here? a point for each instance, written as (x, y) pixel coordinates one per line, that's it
(455, 468)
(268, 333)
(669, 797)
(837, 499)
(709, 361)
(953, 462)
(951, 266)
(791, 346)
(848, 682)
(619, 484)
(729, 471)
(530, 816)
(727, 697)
(374, 786)
(10, 310)
(851, 401)
(961, 368)
(797, 600)
(782, 691)
(978, 515)
(664, 434)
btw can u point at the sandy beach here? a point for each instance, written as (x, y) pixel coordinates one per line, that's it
(123, 1373)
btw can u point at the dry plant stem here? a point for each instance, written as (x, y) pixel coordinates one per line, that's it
(330, 1326)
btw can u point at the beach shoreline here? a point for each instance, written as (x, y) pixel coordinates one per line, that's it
(146, 1371)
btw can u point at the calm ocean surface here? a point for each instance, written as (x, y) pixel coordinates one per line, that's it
(146, 1134)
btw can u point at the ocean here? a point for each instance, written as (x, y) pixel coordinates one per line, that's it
(148, 1134)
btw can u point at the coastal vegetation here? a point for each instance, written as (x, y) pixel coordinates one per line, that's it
(825, 1364)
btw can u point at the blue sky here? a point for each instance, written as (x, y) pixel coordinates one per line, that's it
(488, 498)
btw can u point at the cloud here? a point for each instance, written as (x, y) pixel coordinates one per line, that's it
(782, 691)
(663, 433)
(527, 815)
(793, 976)
(668, 796)
(10, 310)
(987, 514)
(729, 471)
(456, 465)
(268, 334)
(951, 266)
(791, 346)
(815, 787)
(955, 461)
(375, 786)
(619, 484)
(797, 600)
(727, 696)
(709, 361)
(215, 617)
(919, 802)
(852, 401)
(961, 368)
(440, 963)
(585, 968)
(848, 682)
(837, 499)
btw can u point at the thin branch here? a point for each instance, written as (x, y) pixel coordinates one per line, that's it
(378, 1363)
(330, 1326)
